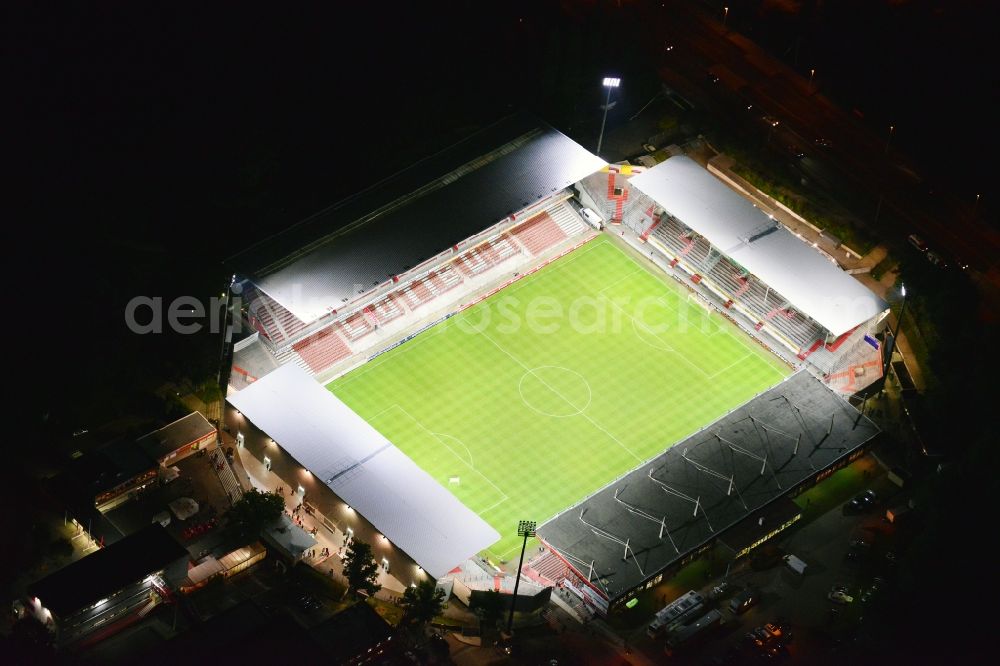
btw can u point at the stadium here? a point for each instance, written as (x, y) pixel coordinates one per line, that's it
(643, 361)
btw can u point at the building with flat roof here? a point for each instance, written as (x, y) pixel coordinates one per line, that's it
(179, 439)
(112, 584)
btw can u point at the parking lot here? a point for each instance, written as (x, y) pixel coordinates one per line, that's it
(801, 604)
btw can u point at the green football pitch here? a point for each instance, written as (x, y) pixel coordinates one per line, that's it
(533, 399)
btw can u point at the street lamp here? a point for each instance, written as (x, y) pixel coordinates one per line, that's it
(725, 15)
(892, 128)
(770, 129)
(812, 73)
(899, 322)
(609, 83)
(525, 528)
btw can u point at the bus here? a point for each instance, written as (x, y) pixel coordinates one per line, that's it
(692, 633)
(681, 609)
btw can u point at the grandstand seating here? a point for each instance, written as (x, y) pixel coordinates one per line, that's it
(539, 233)
(416, 293)
(276, 323)
(551, 568)
(322, 349)
(386, 309)
(486, 255)
(356, 326)
(732, 280)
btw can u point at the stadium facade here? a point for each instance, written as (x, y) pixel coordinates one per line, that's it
(373, 272)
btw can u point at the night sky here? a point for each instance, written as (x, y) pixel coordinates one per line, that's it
(152, 141)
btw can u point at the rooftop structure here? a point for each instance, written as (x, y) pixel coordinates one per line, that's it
(364, 469)
(668, 508)
(749, 237)
(349, 249)
(101, 574)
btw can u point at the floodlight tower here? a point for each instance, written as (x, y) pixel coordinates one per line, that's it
(899, 322)
(609, 83)
(525, 529)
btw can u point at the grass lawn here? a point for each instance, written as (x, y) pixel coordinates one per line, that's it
(552, 388)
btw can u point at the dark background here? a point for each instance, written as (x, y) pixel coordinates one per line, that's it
(925, 66)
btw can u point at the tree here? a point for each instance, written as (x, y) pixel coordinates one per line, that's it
(423, 603)
(252, 513)
(360, 568)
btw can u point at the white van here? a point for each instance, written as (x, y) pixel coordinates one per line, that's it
(592, 218)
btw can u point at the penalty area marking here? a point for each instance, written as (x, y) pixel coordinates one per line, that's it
(453, 452)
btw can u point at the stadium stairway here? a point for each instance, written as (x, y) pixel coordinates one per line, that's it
(291, 356)
(567, 219)
(225, 473)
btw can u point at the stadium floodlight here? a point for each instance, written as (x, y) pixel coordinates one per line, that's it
(525, 529)
(891, 348)
(610, 82)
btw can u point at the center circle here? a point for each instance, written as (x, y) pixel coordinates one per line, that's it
(552, 390)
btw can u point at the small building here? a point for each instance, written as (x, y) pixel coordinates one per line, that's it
(119, 470)
(288, 539)
(228, 565)
(124, 580)
(178, 440)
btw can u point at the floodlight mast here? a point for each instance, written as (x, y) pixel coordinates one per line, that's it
(610, 82)
(525, 529)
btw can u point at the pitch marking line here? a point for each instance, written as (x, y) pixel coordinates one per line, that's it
(556, 265)
(730, 366)
(453, 452)
(546, 384)
(368, 366)
(533, 373)
(620, 280)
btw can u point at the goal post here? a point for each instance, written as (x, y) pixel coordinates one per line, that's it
(700, 301)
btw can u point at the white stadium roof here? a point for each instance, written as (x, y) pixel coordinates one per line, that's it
(810, 282)
(364, 469)
(481, 184)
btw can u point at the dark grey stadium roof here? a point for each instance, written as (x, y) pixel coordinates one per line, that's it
(357, 244)
(686, 487)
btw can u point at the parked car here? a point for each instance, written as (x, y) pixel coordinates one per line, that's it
(796, 152)
(863, 501)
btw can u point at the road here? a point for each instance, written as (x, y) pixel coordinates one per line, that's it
(858, 156)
